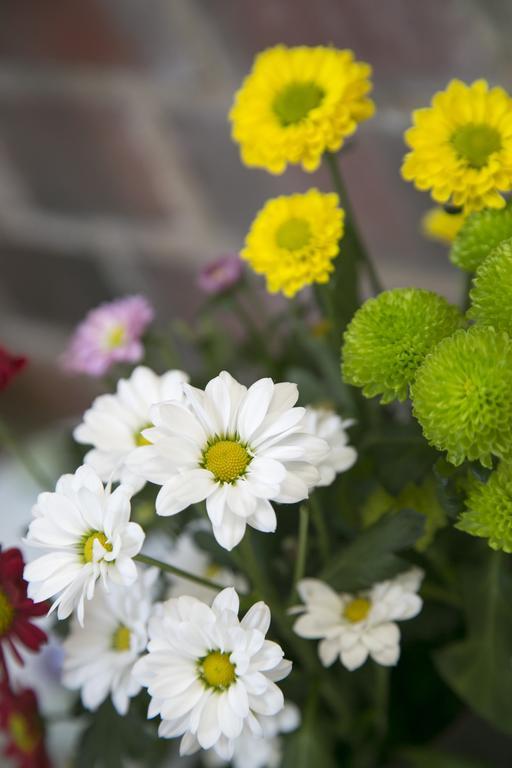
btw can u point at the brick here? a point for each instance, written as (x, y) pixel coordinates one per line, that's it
(78, 156)
(405, 42)
(233, 192)
(43, 285)
(172, 288)
(62, 32)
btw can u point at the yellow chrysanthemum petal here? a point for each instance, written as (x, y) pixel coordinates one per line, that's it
(461, 146)
(294, 240)
(298, 103)
(438, 224)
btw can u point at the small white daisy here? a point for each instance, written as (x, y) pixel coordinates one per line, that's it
(114, 423)
(209, 674)
(88, 533)
(331, 428)
(354, 627)
(237, 448)
(99, 658)
(265, 751)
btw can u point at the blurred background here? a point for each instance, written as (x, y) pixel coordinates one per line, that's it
(117, 173)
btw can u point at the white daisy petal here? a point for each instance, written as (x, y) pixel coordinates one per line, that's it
(182, 490)
(99, 659)
(238, 448)
(94, 530)
(221, 704)
(360, 625)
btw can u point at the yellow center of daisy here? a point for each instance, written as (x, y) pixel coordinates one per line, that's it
(357, 609)
(24, 737)
(139, 437)
(475, 143)
(217, 671)
(115, 336)
(6, 613)
(88, 545)
(293, 234)
(121, 641)
(226, 460)
(296, 101)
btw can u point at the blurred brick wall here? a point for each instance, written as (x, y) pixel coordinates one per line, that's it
(117, 173)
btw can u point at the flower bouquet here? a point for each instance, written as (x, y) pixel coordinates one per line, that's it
(263, 559)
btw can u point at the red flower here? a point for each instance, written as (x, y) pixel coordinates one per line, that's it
(23, 729)
(16, 609)
(10, 365)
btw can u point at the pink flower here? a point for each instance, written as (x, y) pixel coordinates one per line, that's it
(110, 334)
(220, 274)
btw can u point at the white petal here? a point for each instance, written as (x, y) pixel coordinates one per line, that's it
(328, 650)
(355, 657)
(183, 490)
(227, 600)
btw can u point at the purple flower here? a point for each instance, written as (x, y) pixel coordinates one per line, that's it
(220, 274)
(109, 334)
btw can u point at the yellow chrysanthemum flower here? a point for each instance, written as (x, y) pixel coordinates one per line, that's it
(438, 224)
(462, 146)
(298, 103)
(293, 240)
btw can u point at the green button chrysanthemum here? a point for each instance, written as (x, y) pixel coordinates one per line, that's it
(489, 509)
(480, 234)
(389, 337)
(491, 295)
(462, 395)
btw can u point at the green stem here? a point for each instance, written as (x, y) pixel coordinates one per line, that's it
(381, 701)
(179, 572)
(251, 327)
(302, 547)
(321, 527)
(352, 235)
(439, 595)
(266, 591)
(26, 460)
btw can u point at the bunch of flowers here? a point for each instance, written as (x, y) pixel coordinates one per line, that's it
(223, 522)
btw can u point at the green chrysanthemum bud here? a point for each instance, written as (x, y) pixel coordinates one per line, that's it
(389, 337)
(422, 498)
(489, 509)
(491, 294)
(462, 395)
(480, 234)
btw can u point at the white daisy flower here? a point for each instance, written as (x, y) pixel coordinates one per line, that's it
(114, 423)
(265, 751)
(88, 533)
(99, 658)
(210, 675)
(237, 448)
(331, 428)
(354, 627)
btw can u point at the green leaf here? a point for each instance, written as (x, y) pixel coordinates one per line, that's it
(401, 456)
(371, 556)
(110, 739)
(479, 669)
(428, 758)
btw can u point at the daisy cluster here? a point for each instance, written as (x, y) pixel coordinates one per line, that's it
(235, 450)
